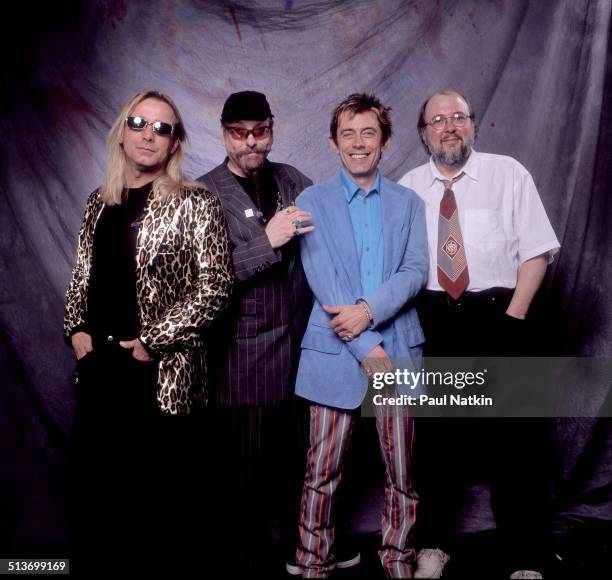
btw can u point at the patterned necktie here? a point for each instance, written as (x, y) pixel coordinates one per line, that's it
(452, 265)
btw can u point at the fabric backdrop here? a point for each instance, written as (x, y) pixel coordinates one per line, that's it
(538, 74)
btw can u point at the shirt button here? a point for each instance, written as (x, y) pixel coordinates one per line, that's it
(110, 338)
(367, 249)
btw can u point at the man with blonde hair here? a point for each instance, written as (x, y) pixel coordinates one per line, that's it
(152, 269)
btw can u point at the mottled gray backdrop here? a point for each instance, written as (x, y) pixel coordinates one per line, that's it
(539, 76)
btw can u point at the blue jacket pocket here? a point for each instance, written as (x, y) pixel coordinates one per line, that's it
(322, 340)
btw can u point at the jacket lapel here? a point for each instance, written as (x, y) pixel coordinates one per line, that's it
(286, 187)
(158, 219)
(288, 192)
(236, 200)
(91, 221)
(335, 214)
(392, 223)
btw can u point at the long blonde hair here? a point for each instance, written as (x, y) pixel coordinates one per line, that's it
(167, 185)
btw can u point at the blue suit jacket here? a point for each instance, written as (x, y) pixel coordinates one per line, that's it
(330, 371)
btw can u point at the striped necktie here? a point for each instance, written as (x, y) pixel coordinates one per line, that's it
(452, 265)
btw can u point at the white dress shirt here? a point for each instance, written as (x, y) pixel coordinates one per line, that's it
(502, 219)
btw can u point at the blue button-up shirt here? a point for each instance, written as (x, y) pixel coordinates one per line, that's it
(365, 211)
(366, 217)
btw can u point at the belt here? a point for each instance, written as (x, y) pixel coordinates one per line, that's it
(491, 296)
(101, 339)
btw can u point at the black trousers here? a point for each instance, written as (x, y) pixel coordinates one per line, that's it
(260, 456)
(137, 476)
(512, 454)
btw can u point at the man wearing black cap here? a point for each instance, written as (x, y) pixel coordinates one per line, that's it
(254, 350)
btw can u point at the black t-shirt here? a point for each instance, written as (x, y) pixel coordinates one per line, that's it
(112, 307)
(263, 191)
(265, 195)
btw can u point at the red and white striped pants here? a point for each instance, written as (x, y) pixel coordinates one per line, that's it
(330, 435)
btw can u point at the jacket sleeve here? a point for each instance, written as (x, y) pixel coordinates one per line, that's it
(322, 278)
(402, 286)
(76, 295)
(184, 320)
(250, 257)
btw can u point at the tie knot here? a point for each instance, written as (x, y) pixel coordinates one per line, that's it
(448, 183)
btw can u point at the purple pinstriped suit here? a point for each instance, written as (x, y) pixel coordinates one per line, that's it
(253, 353)
(255, 346)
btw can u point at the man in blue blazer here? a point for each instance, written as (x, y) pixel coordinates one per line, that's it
(365, 261)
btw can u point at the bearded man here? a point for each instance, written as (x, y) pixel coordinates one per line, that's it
(490, 242)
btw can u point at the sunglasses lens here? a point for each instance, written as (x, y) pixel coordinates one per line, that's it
(241, 133)
(162, 128)
(136, 123)
(238, 133)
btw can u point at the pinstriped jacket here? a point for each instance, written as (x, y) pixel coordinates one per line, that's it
(183, 279)
(255, 345)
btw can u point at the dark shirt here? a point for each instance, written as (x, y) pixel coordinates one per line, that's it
(112, 307)
(263, 191)
(265, 195)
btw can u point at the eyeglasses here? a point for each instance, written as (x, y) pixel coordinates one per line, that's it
(242, 134)
(140, 124)
(438, 122)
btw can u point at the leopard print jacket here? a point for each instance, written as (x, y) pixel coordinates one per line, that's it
(183, 281)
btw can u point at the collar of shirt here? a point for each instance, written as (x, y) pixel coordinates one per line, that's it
(352, 189)
(471, 169)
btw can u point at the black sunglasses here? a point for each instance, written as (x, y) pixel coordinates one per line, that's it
(139, 124)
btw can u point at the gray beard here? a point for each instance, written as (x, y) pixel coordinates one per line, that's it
(252, 169)
(450, 159)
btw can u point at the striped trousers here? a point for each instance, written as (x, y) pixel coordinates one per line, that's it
(330, 436)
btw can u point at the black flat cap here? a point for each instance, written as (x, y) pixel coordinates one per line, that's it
(246, 106)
